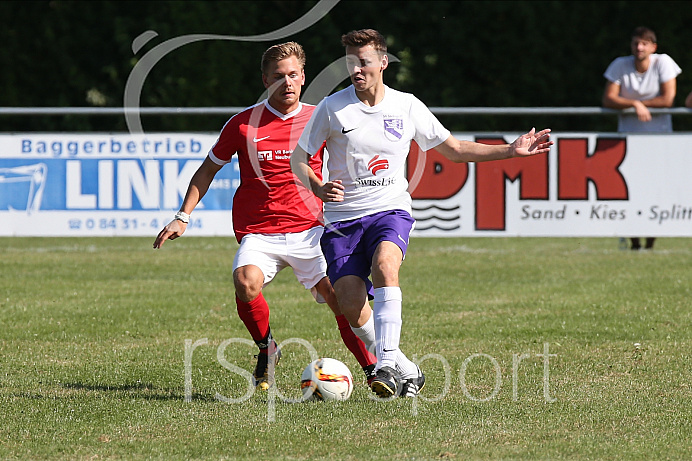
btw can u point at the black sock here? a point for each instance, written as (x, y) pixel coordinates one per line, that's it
(265, 342)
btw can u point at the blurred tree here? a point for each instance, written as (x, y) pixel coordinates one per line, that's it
(452, 53)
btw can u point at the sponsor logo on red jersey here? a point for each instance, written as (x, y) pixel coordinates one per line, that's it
(264, 155)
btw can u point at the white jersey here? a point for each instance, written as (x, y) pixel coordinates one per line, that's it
(368, 147)
(642, 86)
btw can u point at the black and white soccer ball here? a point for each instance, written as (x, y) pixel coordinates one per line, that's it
(326, 379)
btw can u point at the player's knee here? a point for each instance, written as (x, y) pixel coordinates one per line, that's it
(385, 265)
(248, 283)
(350, 293)
(385, 274)
(246, 293)
(325, 288)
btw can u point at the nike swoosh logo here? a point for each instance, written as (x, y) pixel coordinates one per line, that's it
(388, 350)
(344, 130)
(259, 139)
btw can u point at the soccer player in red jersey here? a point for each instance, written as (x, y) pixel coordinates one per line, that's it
(277, 221)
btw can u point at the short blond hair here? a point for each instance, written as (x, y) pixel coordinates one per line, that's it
(281, 51)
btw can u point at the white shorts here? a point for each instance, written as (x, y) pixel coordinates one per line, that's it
(273, 252)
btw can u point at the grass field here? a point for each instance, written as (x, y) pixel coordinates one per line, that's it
(534, 349)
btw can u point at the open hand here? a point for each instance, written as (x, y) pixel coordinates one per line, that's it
(532, 143)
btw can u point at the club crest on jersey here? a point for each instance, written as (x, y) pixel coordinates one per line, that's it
(377, 164)
(394, 128)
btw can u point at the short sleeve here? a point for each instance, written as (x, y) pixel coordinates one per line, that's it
(429, 131)
(614, 72)
(226, 146)
(317, 129)
(668, 68)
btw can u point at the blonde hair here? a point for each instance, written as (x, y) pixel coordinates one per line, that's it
(281, 51)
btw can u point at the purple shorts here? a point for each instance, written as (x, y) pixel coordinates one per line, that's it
(349, 246)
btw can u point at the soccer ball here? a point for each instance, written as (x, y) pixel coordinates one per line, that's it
(326, 379)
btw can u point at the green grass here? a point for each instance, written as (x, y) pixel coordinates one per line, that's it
(93, 331)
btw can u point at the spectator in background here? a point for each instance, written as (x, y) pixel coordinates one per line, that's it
(688, 101)
(641, 81)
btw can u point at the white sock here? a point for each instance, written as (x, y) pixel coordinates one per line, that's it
(405, 367)
(366, 333)
(387, 313)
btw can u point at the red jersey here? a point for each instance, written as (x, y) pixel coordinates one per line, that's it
(270, 199)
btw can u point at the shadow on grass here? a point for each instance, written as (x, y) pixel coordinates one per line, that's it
(138, 390)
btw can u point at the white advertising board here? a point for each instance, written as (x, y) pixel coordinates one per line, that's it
(590, 184)
(107, 184)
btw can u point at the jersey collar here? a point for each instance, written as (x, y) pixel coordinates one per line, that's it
(279, 114)
(364, 107)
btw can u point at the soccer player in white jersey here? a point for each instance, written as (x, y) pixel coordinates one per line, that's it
(276, 221)
(368, 129)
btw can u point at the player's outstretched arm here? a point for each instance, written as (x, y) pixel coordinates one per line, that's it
(531, 143)
(199, 184)
(331, 191)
